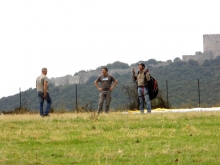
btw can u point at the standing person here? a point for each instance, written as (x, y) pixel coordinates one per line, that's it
(105, 89)
(43, 92)
(142, 77)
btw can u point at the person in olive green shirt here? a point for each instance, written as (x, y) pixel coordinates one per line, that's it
(43, 92)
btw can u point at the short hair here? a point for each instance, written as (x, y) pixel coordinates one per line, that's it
(142, 64)
(44, 69)
(105, 68)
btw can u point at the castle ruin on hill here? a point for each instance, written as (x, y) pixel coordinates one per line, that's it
(211, 49)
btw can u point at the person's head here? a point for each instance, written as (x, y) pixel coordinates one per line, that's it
(141, 66)
(104, 71)
(44, 71)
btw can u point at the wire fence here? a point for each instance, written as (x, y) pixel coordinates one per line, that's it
(192, 93)
(202, 92)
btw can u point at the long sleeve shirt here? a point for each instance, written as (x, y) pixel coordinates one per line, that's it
(140, 78)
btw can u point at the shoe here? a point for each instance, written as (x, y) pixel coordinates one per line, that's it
(47, 115)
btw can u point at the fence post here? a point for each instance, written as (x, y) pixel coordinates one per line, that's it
(76, 99)
(20, 96)
(199, 91)
(167, 93)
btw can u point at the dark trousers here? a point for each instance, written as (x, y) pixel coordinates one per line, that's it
(41, 101)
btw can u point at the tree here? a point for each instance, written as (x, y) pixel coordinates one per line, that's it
(133, 65)
(152, 62)
(81, 71)
(176, 59)
(117, 65)
(169, 61)
(193, 63)
(91, 79)
(131, 91)
(206, 63)
(179, 63)
(215, 61)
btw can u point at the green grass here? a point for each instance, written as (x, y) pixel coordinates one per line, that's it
(68, 139)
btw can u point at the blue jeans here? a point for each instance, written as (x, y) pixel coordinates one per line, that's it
(144, 96)
(41, 100)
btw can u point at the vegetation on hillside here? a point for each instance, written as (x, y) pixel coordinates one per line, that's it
(182, 78)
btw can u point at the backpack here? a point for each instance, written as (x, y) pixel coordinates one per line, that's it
(152, 86)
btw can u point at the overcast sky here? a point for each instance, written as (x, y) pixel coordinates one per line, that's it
(71, 35)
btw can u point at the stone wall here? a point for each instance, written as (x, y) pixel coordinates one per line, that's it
(161, 64)
(199, 56)
(69, 79)
(82, 78)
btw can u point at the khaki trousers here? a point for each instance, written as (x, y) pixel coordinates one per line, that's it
(104, 95)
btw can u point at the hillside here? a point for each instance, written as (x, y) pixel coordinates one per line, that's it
(182, 80)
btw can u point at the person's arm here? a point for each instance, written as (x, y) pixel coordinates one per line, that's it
(97, 86)
(134, 77)
(114, 85)
(45, 88)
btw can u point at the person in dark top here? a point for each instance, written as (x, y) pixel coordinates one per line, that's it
(105, 89)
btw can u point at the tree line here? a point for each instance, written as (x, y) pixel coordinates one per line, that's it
(182, 82)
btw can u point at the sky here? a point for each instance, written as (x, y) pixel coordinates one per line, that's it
(67, 36)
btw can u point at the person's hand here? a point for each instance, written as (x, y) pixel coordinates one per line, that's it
(100, 89)
(133, 71)
(45, 95)
(111, 88)
(146, 71)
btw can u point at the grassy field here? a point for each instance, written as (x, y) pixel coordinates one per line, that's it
(68, 139)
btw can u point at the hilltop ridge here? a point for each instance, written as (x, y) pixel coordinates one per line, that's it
(83, 76)
(182, 78)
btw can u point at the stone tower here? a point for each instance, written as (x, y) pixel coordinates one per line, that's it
(211, 44)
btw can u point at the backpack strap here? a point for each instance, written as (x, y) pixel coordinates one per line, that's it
(145, 79)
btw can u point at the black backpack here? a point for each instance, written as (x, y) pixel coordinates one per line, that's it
(152, 86)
